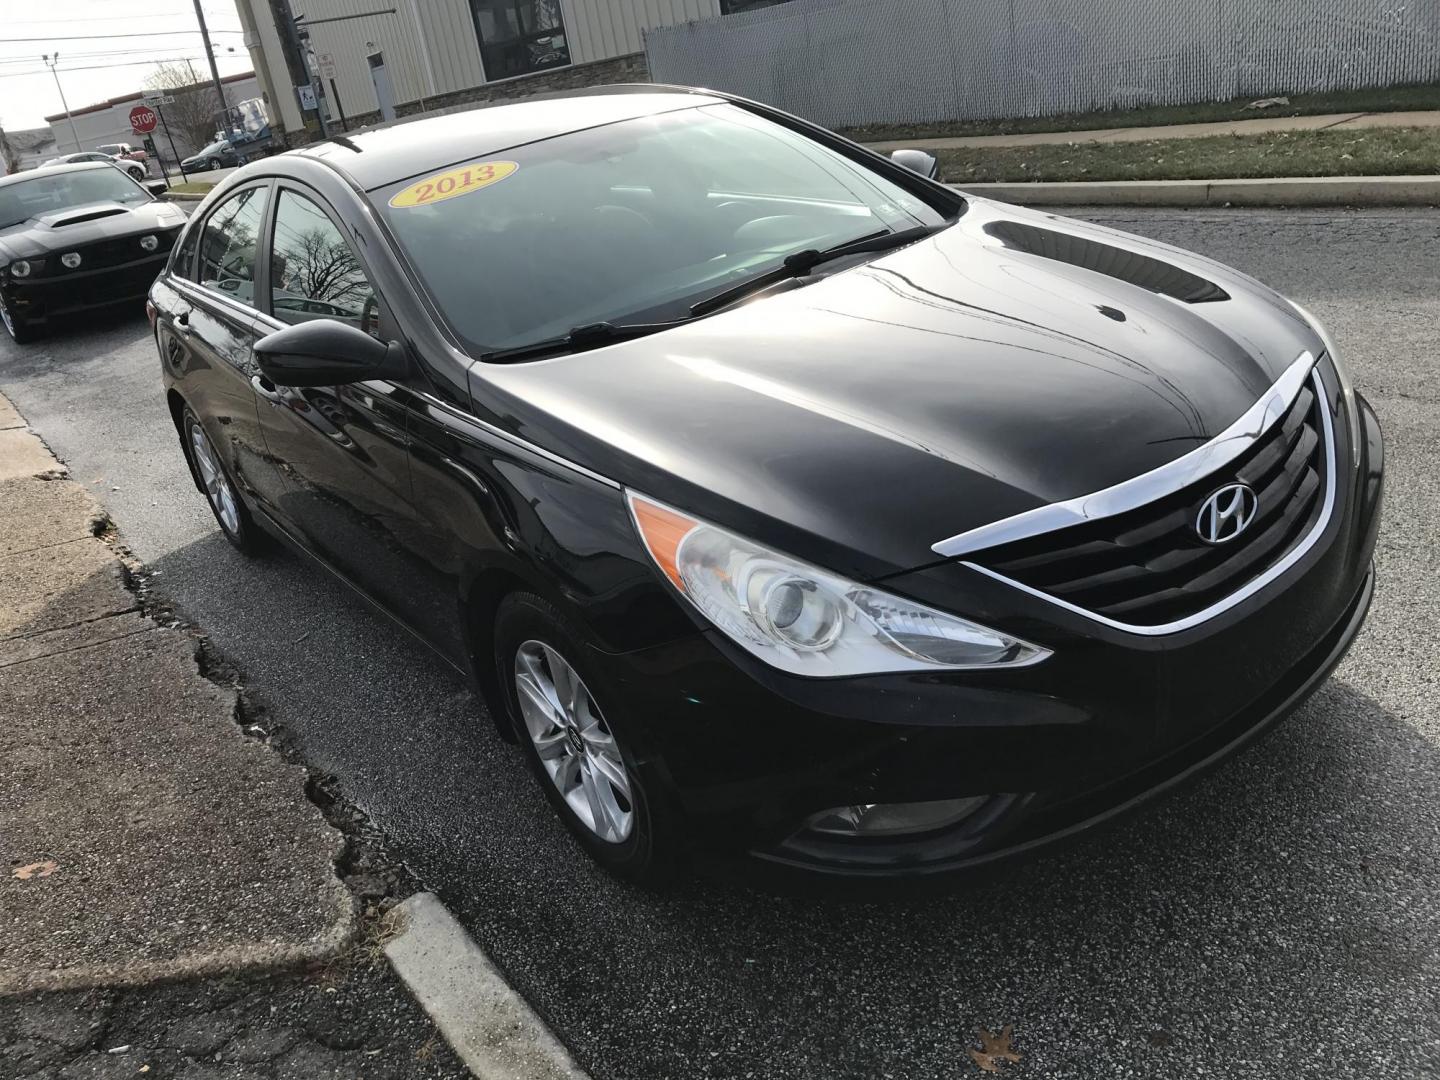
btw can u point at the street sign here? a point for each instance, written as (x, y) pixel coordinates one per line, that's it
(142, 119)
(156, 100)
(327, 64)
(307, 97)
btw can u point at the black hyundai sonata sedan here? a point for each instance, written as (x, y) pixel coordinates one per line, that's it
(781, 501)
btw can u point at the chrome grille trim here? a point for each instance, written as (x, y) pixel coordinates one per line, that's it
(1255, 584)
(1147, 487)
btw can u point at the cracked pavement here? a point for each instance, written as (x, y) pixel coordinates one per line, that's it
(350, 1022)
(1278, 919)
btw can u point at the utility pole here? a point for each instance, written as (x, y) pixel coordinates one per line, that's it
(214, 71)
(51, 59)
(290, 46)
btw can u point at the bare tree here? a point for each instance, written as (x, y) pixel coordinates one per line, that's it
(195, 113)
(318, 264)
(8, 156)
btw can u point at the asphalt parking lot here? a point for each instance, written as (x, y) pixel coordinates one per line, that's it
(1278, 919)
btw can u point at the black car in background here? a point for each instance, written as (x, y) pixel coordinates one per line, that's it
(75, 237)
(779, 499)
(218, 155)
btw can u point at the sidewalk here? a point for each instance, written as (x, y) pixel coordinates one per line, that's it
(170, 897)
(144, 835)
(1257, 126)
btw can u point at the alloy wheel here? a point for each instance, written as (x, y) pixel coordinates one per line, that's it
(216, 483)
(573, 742)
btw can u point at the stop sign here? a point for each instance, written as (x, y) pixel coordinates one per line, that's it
(142, 119)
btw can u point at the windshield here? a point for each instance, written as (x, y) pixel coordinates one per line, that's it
(213, 148)
(633, 221)
(30, 198)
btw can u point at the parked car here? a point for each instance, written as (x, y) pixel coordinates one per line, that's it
(134, 169)
(218, 155)
(780, 500)
(124, 150)
(74, 237)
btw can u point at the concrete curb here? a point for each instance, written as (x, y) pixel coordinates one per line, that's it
(183, 197)
(1286, 191)
(488, 1025)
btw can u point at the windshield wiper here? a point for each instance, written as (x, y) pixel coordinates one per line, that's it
(803, 262)
(588, 336)
(592, 335)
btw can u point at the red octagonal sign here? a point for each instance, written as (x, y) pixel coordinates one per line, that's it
(142, 119)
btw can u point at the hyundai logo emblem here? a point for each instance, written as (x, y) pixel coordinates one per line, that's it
(1226, 513)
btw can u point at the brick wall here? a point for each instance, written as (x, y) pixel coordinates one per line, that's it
(617, 69)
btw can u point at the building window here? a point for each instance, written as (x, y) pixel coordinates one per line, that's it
(734, 7)
(520, 36)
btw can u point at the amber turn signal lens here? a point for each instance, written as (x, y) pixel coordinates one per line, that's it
(662, 530)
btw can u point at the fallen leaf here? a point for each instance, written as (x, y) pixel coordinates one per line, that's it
(994, 1049)
(35, 869)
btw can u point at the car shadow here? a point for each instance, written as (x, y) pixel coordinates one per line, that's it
(1298, 878)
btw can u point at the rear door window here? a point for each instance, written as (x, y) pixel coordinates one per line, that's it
(228, 245)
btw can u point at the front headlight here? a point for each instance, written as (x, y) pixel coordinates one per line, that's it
(21, 268)
(805, 620)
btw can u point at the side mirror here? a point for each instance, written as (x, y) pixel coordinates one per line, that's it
(927, 165)
(156, 187)
(326, 352)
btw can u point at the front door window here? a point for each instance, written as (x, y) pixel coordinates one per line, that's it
(520, 36)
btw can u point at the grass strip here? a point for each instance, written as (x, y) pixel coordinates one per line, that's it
(1357, 152)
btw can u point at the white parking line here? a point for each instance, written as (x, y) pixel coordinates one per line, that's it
(489, 1026)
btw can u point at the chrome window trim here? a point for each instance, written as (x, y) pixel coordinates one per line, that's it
(1147, 487)
(211, 296)
(1289, 559)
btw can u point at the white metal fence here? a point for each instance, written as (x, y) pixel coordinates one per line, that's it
(851, 62)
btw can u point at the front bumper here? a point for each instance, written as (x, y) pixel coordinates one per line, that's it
(1112, 719)
(36, 301)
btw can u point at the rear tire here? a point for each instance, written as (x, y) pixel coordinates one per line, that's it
(587, 771)
(219, 489)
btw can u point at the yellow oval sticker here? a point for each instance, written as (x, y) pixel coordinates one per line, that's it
(447, 185)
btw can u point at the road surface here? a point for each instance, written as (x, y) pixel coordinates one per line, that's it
(1279, 919)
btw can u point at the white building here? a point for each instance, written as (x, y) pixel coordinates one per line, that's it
(442, 48)
(109, 121)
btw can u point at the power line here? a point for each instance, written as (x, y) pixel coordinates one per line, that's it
(99, 67)
(106, 54)
(137, 33)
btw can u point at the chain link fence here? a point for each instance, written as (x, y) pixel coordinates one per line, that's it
(845, 63)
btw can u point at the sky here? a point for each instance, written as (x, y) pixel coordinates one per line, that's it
(85, 33)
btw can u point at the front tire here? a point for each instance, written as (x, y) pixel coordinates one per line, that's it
(230, 511)
(20, 332)
(577, 747)
(213, 163)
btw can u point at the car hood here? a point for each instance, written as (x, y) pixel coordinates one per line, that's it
(1013, 360)
(75, 226)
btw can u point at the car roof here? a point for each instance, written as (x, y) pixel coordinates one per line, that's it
(70, 166)
(383, 155)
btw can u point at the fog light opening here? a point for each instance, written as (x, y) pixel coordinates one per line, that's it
(894, 819)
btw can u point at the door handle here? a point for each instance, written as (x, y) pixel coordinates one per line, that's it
(265, 388)
(182, 323)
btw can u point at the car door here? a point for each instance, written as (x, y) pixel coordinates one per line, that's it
(209, 336)
(342, 466)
